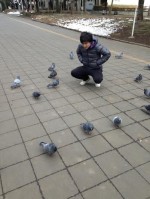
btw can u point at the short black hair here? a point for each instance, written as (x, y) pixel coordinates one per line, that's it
(86, 37)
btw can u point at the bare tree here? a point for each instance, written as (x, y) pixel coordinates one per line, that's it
(110, 9)
(140, 10)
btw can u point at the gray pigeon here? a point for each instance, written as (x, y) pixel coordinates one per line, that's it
(52, 74)
(71, 55)
(119, 55)
(54, 83)
(48, 148)
(147, 67)
(147, 92)
(87, 127)
(36, 94)
(146, 109)
(138, 78)
(51, 68)
(16, 83)
(117, 121)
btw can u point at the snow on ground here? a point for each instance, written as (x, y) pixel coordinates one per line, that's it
(16, 13)
(101, 27)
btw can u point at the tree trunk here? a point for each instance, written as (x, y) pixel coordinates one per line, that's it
(140, 10)
(110, 8)
(37, 5)
(149, 11)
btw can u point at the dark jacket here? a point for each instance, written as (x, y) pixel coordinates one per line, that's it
(94, 56)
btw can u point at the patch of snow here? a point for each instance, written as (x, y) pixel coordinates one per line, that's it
(101, 27)
(17, 13)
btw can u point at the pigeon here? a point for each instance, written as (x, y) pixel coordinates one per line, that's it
(146, 109)
(147, 92)
(138, 78)
(117, 121)
(16, 83)
(119, 55)
(71, 55)
(51, 68)
(87, 127)
(52, 74)
(36, 94)
(54, 83)
(147, 67)
(48, 148)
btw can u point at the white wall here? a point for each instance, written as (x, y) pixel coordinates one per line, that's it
(129, 2)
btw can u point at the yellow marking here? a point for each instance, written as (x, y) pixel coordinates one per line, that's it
(67, 37)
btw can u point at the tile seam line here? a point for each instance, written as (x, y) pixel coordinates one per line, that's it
(67, 37)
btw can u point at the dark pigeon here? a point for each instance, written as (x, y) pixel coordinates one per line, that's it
(52, 67)
(71, 55)
(147, 67)
(147, 92)
(48, 148)
(54, 83)
(36, 94)
(138, 78)
(52, 74)
(87, 127)
(117, 121)
(146, 109)
(119, 55)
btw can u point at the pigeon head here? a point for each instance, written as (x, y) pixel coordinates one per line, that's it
(87, 127)
(117, 120)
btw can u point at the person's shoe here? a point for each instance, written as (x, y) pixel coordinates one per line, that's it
(97, 85)
(82, 83)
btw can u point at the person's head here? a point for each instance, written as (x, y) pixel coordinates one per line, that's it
(86, 38)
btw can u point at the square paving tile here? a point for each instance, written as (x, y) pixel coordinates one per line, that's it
(6, 115)
(108, 110)
(77, 197)
(92, 114)
(132, 186)
(135, 154)
(45, 165)
(22, 111)
(75, 98)
(136, 131)
(112, 163)
(82, 106)
(124, 106)
(74, 119)
(55, 125)
(8, 126)
(73, 153)
(112, 98)
(144, 170)
(63, 138)
(16, 176)
(117, 138)
(96, 102)
(104, 191)
(66, 110)
(32, 132)
(103, 125)
(59, 102)
(63, 181)
(29, 191)
(43, 106)
(19, 103)
(126, 95)
(33, 146)
(47, 115)
(137, 115)
(89, 95)
(87, 174)
(96, 145)
(27, 120)
(12, 155)
(52, 95)
(10, 139)
(145, 143)
(146, 124)
(4, 106)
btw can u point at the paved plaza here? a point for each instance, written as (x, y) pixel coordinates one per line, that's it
(111, 163)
